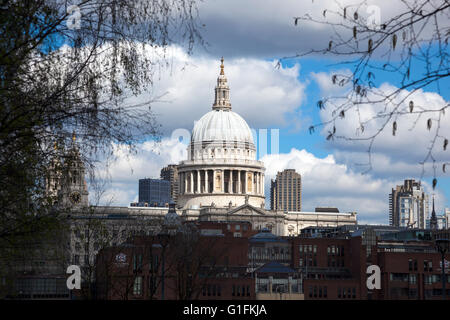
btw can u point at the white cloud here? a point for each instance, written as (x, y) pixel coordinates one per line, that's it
(261, 93)
(328, 183)
(397, 155)
(122, 175)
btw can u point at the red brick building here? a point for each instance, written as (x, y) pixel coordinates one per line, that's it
(222, 260)
(209, 262)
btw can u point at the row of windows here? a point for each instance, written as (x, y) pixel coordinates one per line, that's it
(347, 293)
(307, 248)
(238, 227)
(240, 291)
(317, 292)
(335, 250)
(412, 278)
(138, 285)
(212, 290)
(152, 263)
(309, 262)
(427, 265)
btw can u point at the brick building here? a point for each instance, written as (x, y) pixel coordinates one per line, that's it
(229, 260)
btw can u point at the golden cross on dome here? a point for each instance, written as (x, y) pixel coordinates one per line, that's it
(221, 67)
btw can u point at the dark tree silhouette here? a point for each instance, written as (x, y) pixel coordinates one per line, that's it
(65, 69)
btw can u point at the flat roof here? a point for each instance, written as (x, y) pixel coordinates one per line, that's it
(322, 213)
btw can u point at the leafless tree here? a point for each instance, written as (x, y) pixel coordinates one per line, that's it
(410, 45)
(72, 67)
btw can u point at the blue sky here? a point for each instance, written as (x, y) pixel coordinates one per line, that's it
(283, 99)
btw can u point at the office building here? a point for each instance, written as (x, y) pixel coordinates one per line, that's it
(170, 173)
(286, 191)
(408, 205)
(154, 192)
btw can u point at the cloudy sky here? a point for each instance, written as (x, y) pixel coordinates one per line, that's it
(252, 36)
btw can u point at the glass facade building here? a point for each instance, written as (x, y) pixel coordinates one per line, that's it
(154, 192)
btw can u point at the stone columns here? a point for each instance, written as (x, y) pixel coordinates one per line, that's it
(185, 182)
(239, 190)
(230, 189)
(223, 181)
(192, 181)
(206, 182)
(257, 182)
(198, 182)
(245, 182)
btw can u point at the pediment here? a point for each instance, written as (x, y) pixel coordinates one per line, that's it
(247, 209)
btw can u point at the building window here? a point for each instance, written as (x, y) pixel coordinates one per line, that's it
(137, 286)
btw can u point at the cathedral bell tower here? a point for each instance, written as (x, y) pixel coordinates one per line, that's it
(67, 181)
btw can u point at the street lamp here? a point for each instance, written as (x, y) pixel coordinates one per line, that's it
(443, 246)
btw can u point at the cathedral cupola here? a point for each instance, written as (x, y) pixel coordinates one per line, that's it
(222, 91)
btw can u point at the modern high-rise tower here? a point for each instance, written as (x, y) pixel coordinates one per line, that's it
(170, 173)
(286, 191)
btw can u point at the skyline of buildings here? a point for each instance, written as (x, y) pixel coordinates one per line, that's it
(221, 184)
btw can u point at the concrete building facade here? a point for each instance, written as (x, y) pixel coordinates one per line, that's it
(408, 205)
(286, 191)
